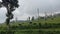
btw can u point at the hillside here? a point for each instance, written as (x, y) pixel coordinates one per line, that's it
(44, 25)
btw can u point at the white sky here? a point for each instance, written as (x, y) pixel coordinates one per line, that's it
(29, 8)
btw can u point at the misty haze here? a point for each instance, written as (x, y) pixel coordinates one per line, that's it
(29, 16)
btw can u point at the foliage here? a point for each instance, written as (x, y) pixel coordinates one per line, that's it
(10, 5)
(32, 18)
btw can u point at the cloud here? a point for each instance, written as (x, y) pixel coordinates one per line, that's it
(2, 15)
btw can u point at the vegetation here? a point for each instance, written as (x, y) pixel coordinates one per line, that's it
(42, 27)
(10, 5)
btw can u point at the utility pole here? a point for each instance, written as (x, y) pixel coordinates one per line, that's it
(52, 15)
(38, 13)
(16, 20)
(45, 17)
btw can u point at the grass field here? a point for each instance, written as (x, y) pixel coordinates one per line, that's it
(42, 26)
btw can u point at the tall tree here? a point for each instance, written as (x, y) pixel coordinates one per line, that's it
(29, 19)
(32, 18)
(10, 5)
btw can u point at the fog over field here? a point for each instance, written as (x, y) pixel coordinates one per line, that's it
(29, 8)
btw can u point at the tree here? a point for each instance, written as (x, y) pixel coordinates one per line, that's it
(29, 18)
(10, 5)
(32, 18)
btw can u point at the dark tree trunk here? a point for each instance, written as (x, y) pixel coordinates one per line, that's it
(8, 19)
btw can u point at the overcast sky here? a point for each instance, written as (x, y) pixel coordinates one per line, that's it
(29, 8)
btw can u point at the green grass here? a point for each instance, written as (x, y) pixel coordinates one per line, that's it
(33, 31)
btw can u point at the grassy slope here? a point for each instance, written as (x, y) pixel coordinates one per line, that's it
(49, 20)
